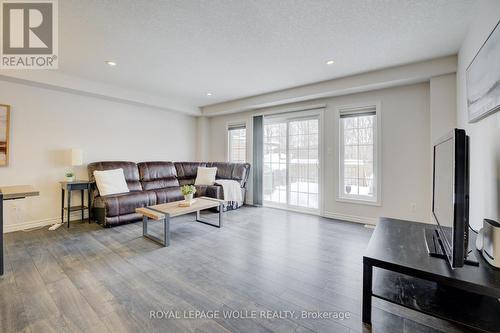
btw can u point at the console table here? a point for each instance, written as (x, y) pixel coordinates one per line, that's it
(398, 269)
(12, 193)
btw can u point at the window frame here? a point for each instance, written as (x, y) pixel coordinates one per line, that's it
(376, 200)
(231, 126)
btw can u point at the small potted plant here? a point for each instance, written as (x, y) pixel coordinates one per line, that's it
(70, 176)
(188, 191)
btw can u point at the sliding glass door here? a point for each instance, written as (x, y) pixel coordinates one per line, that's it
(291, 162)
(275, 163)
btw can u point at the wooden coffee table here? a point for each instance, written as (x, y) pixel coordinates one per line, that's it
(169, 210)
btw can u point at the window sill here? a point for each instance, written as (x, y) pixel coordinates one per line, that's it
(359, 201)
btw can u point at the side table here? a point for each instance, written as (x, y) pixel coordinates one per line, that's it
(76, 185)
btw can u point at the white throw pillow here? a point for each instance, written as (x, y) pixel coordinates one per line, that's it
(205, 176)
(110, 181)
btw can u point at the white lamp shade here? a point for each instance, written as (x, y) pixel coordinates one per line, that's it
(76, 157)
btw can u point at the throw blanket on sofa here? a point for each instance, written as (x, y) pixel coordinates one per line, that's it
(231, 189)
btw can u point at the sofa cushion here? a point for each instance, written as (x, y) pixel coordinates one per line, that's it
(110, 181)
(168, 194)
(186, 181)
(234, 171)
(130, 171)
(187, 170)
(212, 191)
(126, 203)
(205, 176)
(156, 175)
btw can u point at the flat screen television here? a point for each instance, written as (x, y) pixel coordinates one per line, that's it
(450, 200)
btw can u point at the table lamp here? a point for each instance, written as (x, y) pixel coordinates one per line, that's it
(76, 157)
(76, 160)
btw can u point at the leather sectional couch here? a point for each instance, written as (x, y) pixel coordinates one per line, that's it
(152, 183)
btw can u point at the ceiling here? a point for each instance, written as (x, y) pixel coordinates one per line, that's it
(234, 49)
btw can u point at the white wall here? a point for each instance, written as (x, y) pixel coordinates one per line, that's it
(45, 124)
(443, 105)
(485, 134)
(443, 108)
(405, 151)
(202, 139)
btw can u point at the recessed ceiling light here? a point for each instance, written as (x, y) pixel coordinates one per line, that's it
(330, 62)
(111, 63)
(209, 94)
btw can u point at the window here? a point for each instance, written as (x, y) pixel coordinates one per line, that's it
(359, 178)
(237, 141)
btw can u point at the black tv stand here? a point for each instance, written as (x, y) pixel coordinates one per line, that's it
(398, 269)
(435, 247)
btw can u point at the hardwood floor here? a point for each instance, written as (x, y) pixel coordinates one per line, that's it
(90, 279)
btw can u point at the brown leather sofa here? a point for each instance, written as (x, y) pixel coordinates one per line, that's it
(152, 183)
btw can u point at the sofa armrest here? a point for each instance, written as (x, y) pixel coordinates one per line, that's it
(214, 191)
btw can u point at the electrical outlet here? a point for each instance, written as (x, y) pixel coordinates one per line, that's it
(413, 207)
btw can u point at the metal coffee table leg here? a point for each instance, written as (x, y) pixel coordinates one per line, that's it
(219, 225)
(166, 231)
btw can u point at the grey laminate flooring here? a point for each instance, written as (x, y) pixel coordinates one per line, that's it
(91, 279)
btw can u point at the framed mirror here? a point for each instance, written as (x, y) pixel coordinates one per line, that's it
(4, 134)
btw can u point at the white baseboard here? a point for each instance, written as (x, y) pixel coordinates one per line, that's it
(351, 218)
(30, 224)
(75, 216)
(336, 216)
(294, 209)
